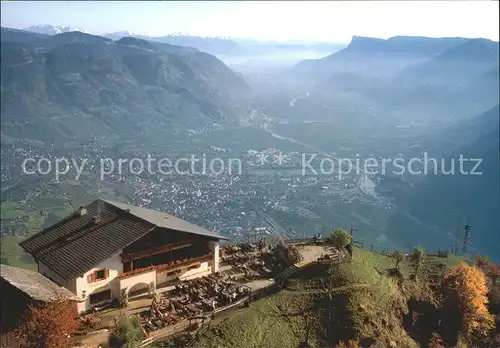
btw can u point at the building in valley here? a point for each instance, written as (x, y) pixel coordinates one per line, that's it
(108, 250)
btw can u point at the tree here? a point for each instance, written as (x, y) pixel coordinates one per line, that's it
(417, 259)
(49, 325)
(466, 304)
(340, 238)
(398, 257)
(436, 341)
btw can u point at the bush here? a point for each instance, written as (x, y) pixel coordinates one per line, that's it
(398, 257)
(287, 254)
(436, 341)
(348, 344)
(466, 303)
(417, 259)
(340, 238)
(126, 333)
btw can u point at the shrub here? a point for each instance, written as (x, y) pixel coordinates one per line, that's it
(398, 257)
(436, 341)
(466, 303)
(340, 238)
(348, 344)
(417, 259)
(126, 333)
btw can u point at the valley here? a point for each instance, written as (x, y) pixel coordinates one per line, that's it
(137, 98)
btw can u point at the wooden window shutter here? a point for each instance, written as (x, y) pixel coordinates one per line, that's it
(89, 278)
(106, 273)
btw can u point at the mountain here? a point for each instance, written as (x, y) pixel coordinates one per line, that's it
(16, 35)
(49, 29)
(118, 35)
(244, 54)
(409, 79)
(376, 57)
(457, 83)
(75, 86)
(440, 203)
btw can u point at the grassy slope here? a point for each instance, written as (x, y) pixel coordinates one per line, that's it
(352, 300)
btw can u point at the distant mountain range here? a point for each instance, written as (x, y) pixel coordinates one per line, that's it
(425, 75)
(49, 29)
(384, 58)
(219, 46)
(75, 85)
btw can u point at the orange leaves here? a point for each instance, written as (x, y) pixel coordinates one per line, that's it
(50, 325)
(436, 341)
(465, 288)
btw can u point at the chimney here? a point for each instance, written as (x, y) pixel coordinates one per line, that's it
(97, 217)
(82, 211)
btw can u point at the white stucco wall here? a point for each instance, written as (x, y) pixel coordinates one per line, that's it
(142, 278)
(114, 265)
(163, 277)
(214, 248)
(204, 269)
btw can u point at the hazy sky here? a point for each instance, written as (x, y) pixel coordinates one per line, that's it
(307, 20)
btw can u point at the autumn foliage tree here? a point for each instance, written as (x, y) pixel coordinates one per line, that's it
(436, 341)
(49, 326)
(466, 304)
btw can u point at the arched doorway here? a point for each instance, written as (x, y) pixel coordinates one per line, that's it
(138, 290)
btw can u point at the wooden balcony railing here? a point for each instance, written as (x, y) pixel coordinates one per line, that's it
(154, 251)
(168, 267)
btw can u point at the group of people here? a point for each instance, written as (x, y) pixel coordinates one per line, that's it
(317, 237)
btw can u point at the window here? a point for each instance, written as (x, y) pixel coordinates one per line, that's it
(100, 296)
(101, 274)
(98, 275)
(127, 266)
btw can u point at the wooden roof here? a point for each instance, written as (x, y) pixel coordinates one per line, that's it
(34, 284)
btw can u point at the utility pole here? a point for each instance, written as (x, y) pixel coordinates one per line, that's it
(456, 243)
(466, 237)
(352, 230)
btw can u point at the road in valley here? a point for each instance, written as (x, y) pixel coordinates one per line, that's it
(294, 100)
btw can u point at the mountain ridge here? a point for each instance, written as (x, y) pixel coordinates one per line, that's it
(101, 83)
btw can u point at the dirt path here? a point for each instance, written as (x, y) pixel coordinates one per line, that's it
(94, 340)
